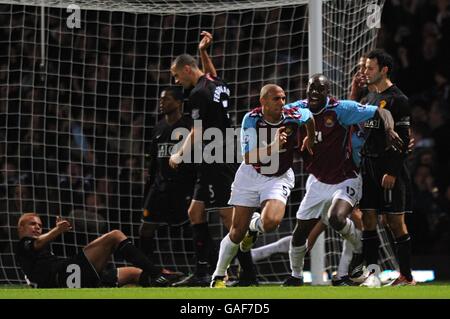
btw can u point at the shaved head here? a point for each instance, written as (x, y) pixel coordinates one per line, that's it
(272, 99)
(319, 78)
(317, 92)
(184, 59)
(267, 89)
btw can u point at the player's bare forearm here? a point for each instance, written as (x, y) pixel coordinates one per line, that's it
(311, 128)
(387, 118)
(62, 226)
(395, 158)
(311, 134)
(263, 154)
(359, 82)
(194, 137)
(393, 138)
(208, 65)
(355, 92)
(258, 155)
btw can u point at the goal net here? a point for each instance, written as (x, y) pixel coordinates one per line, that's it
(79, 87)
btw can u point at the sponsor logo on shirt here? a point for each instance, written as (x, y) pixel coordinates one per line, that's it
(329, 121)
(383, 103)
(372, 124)
(165, 150)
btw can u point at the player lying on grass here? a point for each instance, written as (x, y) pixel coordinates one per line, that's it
(86, 269)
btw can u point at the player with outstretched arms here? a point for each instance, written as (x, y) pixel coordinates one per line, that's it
(334, 185)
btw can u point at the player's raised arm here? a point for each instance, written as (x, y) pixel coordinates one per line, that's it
(207, 64)
(249, 142)
(359, 86)
(262, 154)
(30, 225)
(350, 112)
(62, 226)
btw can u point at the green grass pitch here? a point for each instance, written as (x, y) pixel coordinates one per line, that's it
(437, 290)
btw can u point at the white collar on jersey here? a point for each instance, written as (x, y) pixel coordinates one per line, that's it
(270, 123)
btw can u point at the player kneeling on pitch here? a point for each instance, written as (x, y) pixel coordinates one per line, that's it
(265, 179)
(87, 269)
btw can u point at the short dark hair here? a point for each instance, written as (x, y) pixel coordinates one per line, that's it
(175, 91)
(185, 59)
(383, 59)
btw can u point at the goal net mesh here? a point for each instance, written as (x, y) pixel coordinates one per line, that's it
(79, 87)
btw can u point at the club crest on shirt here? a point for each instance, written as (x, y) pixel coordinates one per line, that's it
(328, 121)
(372, 123)
(195, 114)
(382, 103)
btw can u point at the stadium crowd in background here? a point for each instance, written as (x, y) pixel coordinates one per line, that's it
(417, 34)
(51, 163)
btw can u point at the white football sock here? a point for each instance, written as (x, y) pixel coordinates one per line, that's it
(352, 234)
(256, 223)
(280, 246)
(228, 250)
(346, 258)
(297, 259)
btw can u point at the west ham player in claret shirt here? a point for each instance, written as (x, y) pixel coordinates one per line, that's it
(333, 187)
(265, 179)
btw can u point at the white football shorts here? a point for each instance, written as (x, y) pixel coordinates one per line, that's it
(250, 188)
(319, 196)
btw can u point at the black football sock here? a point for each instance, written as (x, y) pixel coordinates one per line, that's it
(133, 255)
(246, 263)
(202, 245)
(144, 279)
(371, 243)
(403, 245)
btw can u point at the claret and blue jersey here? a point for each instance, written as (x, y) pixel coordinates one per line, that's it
(257, 133)
(334, 159)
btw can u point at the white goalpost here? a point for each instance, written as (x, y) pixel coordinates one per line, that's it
(79, 88)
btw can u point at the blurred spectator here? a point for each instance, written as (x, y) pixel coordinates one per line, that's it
(440, 132)
(424, 208)
(73, 185)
